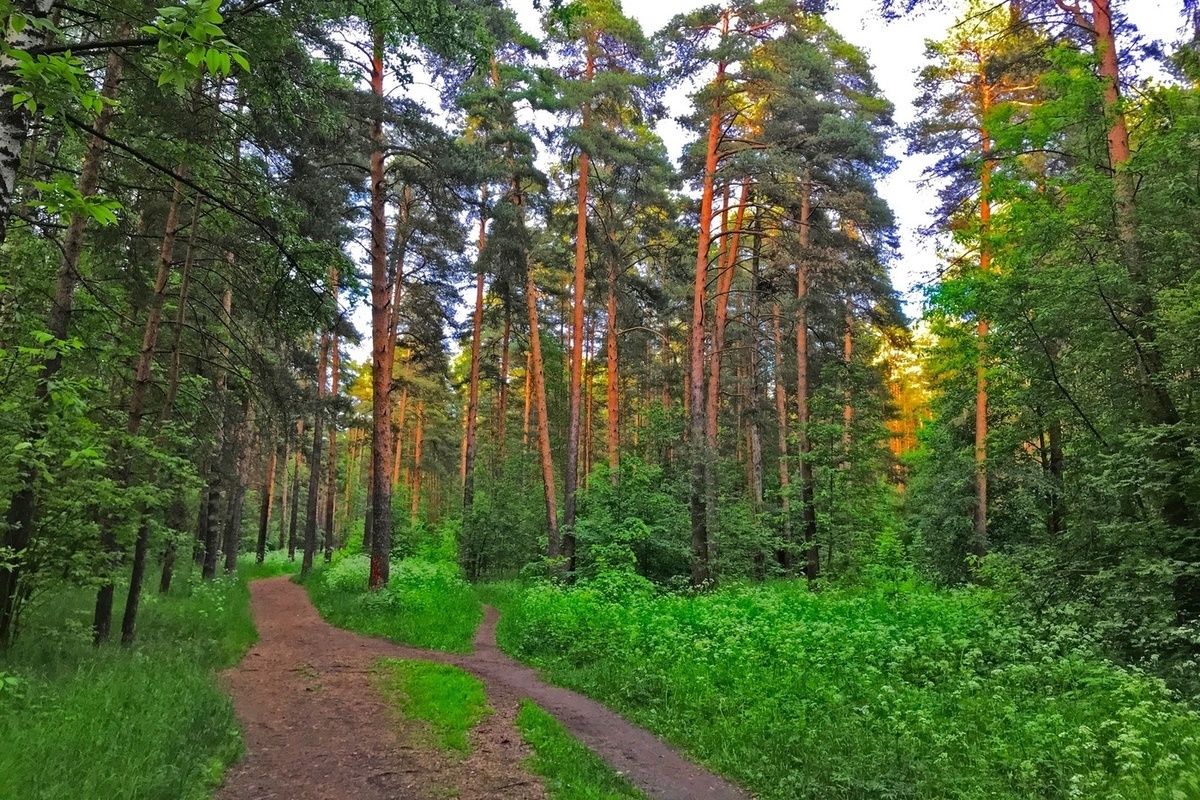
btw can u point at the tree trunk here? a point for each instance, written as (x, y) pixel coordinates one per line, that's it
(294, 522)
(137, 406)
(14, 121)
(237, 498)
(331, 469)
(812, 564)
(785, 501)
(398, 441)
(283, 492)
(314, 462)
(613, 398)
(571, 458)
(382, 341)
(416, 473)
(700, 455)
(468, 477)
(979, 544)
(502, 402)
(268, 497)
(536, 384)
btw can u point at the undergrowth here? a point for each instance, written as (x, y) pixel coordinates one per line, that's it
(896, 692)
(77, 722)
(425, 604)
(448, 700)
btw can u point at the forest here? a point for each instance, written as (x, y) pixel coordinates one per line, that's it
(405, 311)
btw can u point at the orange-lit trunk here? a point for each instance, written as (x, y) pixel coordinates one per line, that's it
(696, 419)
(571, 460)
(537, 387)
(731, 240)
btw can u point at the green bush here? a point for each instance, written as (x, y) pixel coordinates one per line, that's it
(426, 603)
(895, 692)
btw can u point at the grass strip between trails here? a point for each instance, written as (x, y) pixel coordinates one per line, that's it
(448, 700)
(569, 770)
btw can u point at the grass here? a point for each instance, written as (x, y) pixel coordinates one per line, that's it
(275, 563)
(149, 723)
(569, 770)
(910, 694)
(425, 604)
(448, 700)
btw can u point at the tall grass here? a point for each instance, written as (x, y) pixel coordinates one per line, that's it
(84, 723)
(877, 694)
(425, 604)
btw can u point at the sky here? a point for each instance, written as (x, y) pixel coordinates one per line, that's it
(896, 50)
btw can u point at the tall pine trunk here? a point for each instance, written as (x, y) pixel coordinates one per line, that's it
(812, 564)
(536, 384)
(382, 332)
(266, 501)
(699, 453)
(314, 462)
(468, 476)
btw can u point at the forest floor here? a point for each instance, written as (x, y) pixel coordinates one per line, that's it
(316, 727)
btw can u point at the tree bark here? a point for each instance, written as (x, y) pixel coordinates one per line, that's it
(416, 473)
(314, 462)
(571, 459)
(382, 340)
(268, 498)
(294, 522)
(700, 455)
(784, 555)
(331, 469)
(102, 620)
(812, 564)
(613, 399)
(536, 383)
(468, 477)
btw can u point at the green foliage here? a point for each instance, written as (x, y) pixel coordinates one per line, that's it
(151, 722)
(898, 692)
(569, 770)
(426, 604)
(450, 701)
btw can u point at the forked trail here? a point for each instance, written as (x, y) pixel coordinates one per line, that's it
(316, 729)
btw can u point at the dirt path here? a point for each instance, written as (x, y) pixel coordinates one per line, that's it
(312, 718)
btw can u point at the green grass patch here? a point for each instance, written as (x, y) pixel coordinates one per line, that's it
(151, 722)
(425, 604)
(569, 770)
(448, 700)
(274, 564)
(909, 694)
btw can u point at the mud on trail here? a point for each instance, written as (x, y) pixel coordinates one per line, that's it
(317, 729)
